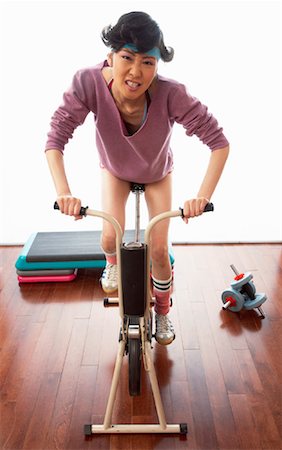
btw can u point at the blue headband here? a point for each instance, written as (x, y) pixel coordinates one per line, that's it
(155, 52)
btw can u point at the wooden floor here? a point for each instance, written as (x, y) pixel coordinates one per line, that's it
(222, 375)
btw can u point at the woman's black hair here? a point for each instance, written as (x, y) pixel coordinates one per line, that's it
(136, 28)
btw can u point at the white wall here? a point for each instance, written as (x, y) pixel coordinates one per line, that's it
(227, 52)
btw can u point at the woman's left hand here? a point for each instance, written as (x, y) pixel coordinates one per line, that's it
(194, 207)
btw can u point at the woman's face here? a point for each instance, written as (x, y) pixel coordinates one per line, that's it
(133, 73)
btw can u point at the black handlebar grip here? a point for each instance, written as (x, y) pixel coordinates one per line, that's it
(208, 207)
(82, 212)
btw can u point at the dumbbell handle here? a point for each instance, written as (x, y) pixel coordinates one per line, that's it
(234, 269)
(226, 305)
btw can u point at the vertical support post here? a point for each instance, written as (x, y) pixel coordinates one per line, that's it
(137, 216)
(114, 386)
(155, 386)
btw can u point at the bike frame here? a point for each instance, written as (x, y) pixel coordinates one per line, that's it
(108, 426)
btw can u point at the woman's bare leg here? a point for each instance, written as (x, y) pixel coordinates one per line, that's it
(158, 197)
(114, 196)
(115, 193)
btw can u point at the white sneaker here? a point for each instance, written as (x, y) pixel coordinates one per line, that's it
(164, 329)
(109, 278)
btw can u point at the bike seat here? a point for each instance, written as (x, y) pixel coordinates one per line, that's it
(137, 187)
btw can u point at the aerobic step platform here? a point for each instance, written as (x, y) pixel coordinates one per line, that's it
(61, 250)
(65, 250)
(53, 277)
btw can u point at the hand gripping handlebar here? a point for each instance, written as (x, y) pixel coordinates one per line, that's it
(83, 209)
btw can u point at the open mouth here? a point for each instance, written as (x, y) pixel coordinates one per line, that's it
(133, 84)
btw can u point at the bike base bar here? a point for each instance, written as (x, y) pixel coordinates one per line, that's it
(135, 428)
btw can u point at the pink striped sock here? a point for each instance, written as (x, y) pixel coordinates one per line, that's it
(111, 258)
(162, 290)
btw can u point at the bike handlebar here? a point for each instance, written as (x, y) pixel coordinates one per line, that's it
(209, 207)
(83, 210)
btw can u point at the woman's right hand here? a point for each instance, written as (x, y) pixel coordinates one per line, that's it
(69, 205)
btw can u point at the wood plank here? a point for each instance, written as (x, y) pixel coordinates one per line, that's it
(96, 323)
(269, 378)
(187, 329)
(81, 414)
(203, 423)
(245, 424)
(16, 372)
(16, 328)
(182, 413)
(42, 414)
(218, 379)
(265, 424)
(7, 414)
(63, 408)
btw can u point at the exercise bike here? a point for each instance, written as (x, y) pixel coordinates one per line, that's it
(136, 330)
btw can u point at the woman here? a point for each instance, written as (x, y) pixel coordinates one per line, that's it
(134, 111)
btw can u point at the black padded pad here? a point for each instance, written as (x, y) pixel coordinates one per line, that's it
(69, 246)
